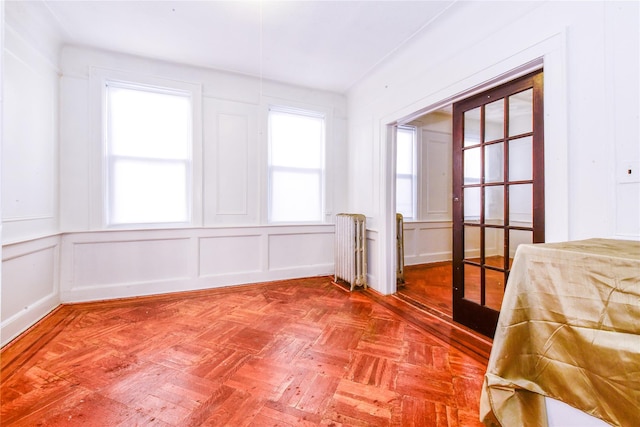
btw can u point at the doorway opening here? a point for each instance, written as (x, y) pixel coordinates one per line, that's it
(479, 194)
(428, 243)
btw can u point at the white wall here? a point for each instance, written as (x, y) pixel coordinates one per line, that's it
(30, 251)
(230, 243)
(30, 116)
(116, 264)
(233, 147)
(55, 247)
(590, 56)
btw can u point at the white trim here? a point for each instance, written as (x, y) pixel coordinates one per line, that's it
(550, 53)
(99, 79)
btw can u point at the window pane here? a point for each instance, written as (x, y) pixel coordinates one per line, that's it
(295, 196)
(404, 197)
(472, 289)
(148, 144)
(405, 152)
(472, 166)
(521, 205)
(296, 140)
(148, 192)
(472, 243)
(494, 205)
(296, 166)
(406, 172)
(494, 288)
(521, 112)
(521, 159)
(494, 163)
(494, 246)
(472, 127)
(472, 204)
(148, 124)
(494, 120)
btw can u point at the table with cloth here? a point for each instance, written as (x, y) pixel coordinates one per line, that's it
(569, 329)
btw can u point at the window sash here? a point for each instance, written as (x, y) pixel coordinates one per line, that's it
(148, 184)
(406, 171)
(304, 164)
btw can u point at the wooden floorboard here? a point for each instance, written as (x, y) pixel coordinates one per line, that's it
(298, 352)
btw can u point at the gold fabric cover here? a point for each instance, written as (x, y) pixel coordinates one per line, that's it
(569, 329)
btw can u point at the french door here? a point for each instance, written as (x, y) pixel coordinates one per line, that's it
(498, 193)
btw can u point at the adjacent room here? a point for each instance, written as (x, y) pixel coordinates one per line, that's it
(172, 173)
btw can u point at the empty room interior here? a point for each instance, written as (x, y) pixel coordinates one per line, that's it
(173, 174)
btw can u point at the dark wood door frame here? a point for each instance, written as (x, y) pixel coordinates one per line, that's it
(477, 315)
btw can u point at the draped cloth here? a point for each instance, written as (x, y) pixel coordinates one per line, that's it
(569, 329)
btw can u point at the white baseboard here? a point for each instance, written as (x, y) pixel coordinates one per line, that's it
(27, 317)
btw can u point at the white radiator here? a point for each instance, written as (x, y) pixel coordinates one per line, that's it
(400, 249)
(351, 249)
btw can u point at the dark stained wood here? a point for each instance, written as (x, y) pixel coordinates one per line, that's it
(476, 313)
(298, 352)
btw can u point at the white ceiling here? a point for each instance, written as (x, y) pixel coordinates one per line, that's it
(326, 45)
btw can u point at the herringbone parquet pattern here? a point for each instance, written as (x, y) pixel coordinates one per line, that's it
(300, 352)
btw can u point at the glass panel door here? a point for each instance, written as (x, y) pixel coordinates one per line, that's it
(498, 193)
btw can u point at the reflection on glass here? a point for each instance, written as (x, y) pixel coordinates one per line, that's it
(494, 205)
(472, 166)
(472, 127)
(521, 159)
(472, 288)
(521, 113)
(472, 243)
(521, 205)
(494, 120)
(494, 288)
(517, 238)
(494, 247)
(494, 163)
(472, 204)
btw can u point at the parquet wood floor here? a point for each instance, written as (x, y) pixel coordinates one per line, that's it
(430, 286)
(300, 352)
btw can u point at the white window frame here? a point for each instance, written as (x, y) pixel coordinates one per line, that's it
(414, 172)
(99, 210)
(322, 171)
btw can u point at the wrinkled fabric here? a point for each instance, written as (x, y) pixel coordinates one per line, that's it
(569, 329)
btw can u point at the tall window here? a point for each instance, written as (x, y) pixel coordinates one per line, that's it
(296, 165)
(148, 153)
(406, 175)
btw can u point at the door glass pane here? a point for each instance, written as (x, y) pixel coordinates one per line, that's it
(517, 238)
(494, 247)
(494, 288)
(494, 163)
(521, 113)
(521, 159)
(472, 243)
(494, 121)
(520, 205)
(472, 166)
(494, 205)
(471, 127)
(472, 287)
(472, 204)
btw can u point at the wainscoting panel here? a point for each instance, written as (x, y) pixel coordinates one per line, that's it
(130, 262)
(426, 242)
(230, 254)
(290, 251)
(119, 264)
(29, 284)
